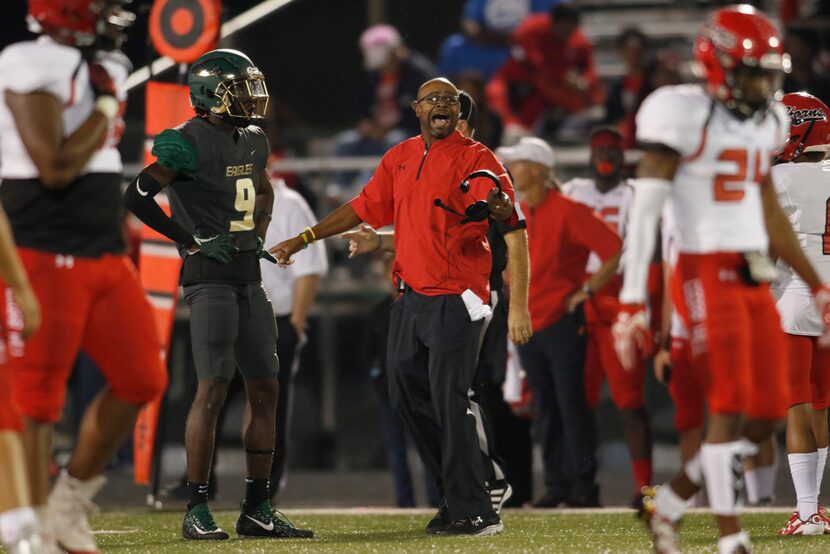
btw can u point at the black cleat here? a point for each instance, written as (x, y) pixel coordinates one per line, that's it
(265, 521)
(476, 526)
(441, 519)
(198, 525)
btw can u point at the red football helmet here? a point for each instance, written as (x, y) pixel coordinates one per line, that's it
(809, 126)
(82, 23)
(736, 45)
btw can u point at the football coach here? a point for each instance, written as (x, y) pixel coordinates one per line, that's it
(438, 189)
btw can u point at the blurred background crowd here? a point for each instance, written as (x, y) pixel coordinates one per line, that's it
(341, 75)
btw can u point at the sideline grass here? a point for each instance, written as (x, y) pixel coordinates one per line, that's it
(140, 531)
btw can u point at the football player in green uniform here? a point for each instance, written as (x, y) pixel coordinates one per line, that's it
(213, 167)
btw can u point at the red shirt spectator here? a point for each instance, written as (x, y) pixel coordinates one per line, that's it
(551, 66)
(435, 254)
(561, 235)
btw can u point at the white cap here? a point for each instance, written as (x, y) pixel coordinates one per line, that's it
(529, 149)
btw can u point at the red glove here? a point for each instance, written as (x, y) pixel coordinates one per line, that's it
(101, 81)
(822, 296)
(632, 336)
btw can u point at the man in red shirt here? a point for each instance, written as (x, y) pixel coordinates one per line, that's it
(442, 266)
(562, 233)
(551, 68)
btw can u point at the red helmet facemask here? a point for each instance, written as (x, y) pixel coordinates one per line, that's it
(809, 126)
(606, 140)
(82, 23)
(740, 55)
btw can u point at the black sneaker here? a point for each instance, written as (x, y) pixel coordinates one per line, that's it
(199, 525)
(265, 521)
(441, 519)
(476, 526)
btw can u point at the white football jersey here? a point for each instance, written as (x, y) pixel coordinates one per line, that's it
(43, 65)
(804, 194)
(716, 193)
(612, 207)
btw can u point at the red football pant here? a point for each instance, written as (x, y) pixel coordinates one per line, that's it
(9, 413)
(737, 346)
(96, 305)
(809, 372)
(601, 361)
(684, 388)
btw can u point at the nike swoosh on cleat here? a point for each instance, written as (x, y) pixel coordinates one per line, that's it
(195, 528)
(269, 527)
(138, 188)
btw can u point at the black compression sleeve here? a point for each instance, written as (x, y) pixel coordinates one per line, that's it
(140, 200)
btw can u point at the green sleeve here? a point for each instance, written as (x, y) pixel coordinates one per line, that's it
(174, 152)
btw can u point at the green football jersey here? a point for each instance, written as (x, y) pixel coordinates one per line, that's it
(218, 196)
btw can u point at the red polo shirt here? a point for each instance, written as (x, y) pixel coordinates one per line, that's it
(434, 253)
(561, 234)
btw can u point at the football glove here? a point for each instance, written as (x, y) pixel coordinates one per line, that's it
(632, 336)
(822, 296)
(219, 247)
(262, 253)
(101, 81)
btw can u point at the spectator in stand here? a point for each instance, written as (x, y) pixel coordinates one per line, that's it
(394, 74)
(483, 43)
(803, 45)
(488, 125)
(625, 93)
(550, 74)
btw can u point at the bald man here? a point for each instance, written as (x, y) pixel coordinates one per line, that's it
(442, 269)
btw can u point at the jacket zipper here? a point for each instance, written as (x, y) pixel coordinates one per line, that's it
(423, 159)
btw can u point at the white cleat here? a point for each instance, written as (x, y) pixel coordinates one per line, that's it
(32, 540)
(69, 503)
(814, 525)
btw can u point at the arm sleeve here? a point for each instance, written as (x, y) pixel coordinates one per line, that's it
(375, 204)
(140, 199)
(587, 229)
(649, 197)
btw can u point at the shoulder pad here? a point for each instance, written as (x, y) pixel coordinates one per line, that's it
(175, 152)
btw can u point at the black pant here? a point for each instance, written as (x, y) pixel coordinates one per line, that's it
(554, 360)
(433, 347)
(507, 446)
(287, 342)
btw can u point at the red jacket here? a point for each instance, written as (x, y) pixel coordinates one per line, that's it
(544, 63)
(561, 234)
(434, 253)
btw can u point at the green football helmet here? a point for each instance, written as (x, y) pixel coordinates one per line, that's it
(227, 83)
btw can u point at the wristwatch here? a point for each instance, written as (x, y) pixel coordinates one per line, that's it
(586, 288)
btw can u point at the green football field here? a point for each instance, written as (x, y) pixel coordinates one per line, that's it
(358, 531)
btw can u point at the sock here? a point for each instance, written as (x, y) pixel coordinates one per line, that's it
(693, 470)
(730, 543)
(12, 522)
(256, 491)
(642, 472)
(669, 504)
(198, 494)
(822, 461)
(802, 468)
(723, 474)
(766, 481)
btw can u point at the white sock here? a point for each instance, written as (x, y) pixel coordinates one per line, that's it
(822, 461)
(753, 485)
(668, 504)
(803, 470)
(730, 543)
(723, 473)
(766, 482)
(693, 470)
(14, 521)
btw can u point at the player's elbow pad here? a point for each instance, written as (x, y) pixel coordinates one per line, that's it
(650, 195)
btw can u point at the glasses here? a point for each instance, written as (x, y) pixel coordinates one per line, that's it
(436, 98)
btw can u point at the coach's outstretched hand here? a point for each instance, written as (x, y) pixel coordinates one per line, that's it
(287, 248)
(219, 247)
(262, 253)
